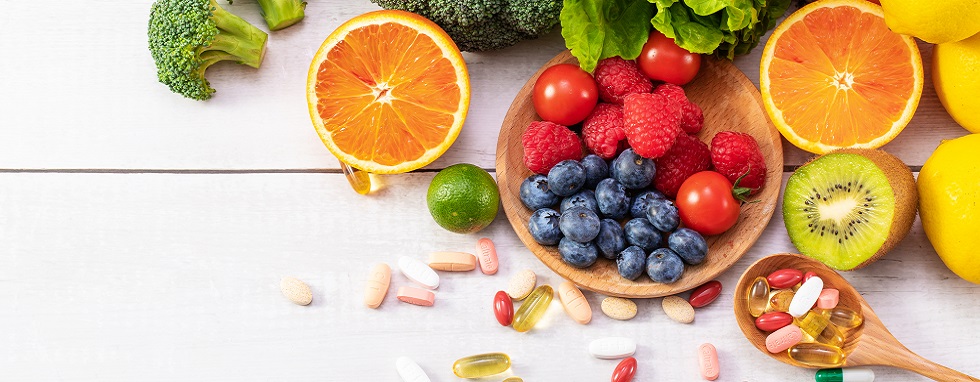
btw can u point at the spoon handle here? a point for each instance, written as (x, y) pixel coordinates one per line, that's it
(927, 368)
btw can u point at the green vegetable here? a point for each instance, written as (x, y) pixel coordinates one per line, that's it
(479, 25)
(724, 27)
(598, 29)
(188, 36)
(279, 14)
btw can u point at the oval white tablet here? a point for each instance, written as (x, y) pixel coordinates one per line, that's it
(410, 371)
(612, 347)
(806, 296)
(417, 271)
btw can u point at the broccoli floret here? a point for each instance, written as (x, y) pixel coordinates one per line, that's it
(479, 25)
(280, 14)
(188, 36)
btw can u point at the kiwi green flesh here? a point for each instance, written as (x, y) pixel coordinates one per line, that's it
(839, 209)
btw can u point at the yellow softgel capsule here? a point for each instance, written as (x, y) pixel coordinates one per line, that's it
(812, 323)
(779, 301)
(481, 365)
(817, 354)
(831, 336)
(845, 318)
(533, 308)
(514, 379)
(758, 296)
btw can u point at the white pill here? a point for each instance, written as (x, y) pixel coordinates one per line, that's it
(410, 371)
(806, 296)
(417, 271)
(612, 347)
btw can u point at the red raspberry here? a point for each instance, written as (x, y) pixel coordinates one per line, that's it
(692, 119)
(737, 154)
(618, 78)
(651, 125)
(546, 144)
(688, 156)
(603, 130)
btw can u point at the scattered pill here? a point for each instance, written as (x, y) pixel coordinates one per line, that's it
(296, 291)
(574, 302)
(784, 338)
(533, 308)
(416, 296)
(850, 374)
(481, 365)
(418, 272)
(806, 296)
(784, 278)
(757, 295)
(678, 309)
(705, 294)
(773, 321)
(618, 308)
(410, 371)
(452, 261)
(625, 370)
(503, 308)
(487, 254)
(377, 285)
(708, 361)
(612, 347)
(513, 379)
(521, 284)
(828, 298)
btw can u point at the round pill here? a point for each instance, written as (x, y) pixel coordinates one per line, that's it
(503, 308)
(705, 294)
(296, 291)
(784, 278)
(618, 308)
(521, 284)
(678, 309)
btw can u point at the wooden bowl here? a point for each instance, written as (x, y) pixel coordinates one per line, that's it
(730, 102)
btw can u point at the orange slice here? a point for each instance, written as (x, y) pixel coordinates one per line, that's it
(388, 92)
(833, 75)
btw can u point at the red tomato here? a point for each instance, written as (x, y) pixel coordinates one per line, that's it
(625, 370)
(705, 294)
(706, 204)
(503, 308)
(662, 60)
(773, 321)
(784, 278)
(564, 94)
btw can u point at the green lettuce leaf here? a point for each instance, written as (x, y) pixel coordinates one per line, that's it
(723, 27)
(598, 29)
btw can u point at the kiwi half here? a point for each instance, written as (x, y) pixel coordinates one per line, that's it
(849, 207)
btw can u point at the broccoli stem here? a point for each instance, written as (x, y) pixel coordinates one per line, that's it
(242, 41)
(280, 14)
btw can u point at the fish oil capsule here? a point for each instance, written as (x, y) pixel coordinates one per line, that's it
(533, 308)
(817, 354)
(481, 365)
(850, 374)
(812, 324)
(513, 379)
(779, 301)
(758, 296)
(831, 336)
(845, 318)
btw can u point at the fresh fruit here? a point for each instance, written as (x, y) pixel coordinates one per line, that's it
(579, 224)
(662, 60)
(388, 92)
(848, 208)
(688, 156)
(611, 239)
(706, 204)
(957, 80)
(650, 124)
(937, 22)
(463, 198)
(596, 169)
(664, 266)
(603, 130)
(576, 254)
(536, 194)
(564, 94)
(638, 209)
(612, 199)
(633, 171)
(543, 226)
(545, 144)
(631, 262)
(689, 245)
(737, 156)
(640, 232)
(566, 178)
(662, 213)
(833, 76)
(949, 204)
(582, 199)
(691, 116)
(618, 78)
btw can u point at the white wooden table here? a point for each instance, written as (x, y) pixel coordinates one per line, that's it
(143, 235)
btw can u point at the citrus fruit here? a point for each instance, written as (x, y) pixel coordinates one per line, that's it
(463, 198)
(833, 76)
(956, 76)
(388, 92)
(949, 204)
(934, 21)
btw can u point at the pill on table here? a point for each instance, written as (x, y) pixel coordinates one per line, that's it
(708, 361)
(850, 374)
(533, 308)
(487, 255)
(503, 308)
(452, 261)
(612, 347)
(784, 338)
(296, 290)
(618, 308)
(784, 278)
(513, 379)
(410, 371)
(625, 370)
(418, 272)
(817, 355)
(705, 294)
(377, 285)
(773, 321)
(575, 304)
(481, 365)
(416, 296)
(828, 298)
(678, 309)
(806, 296)
(521, 284)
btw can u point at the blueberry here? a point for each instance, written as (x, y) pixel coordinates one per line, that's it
(566, 178)
(584, 198)
(579, 255)
(662, 213)
(579, 224)
(689, 245)
(535, 193)
(596, 170)
(610, 240)
(543, 225)
(631, 262)
(612, 199)
(633, 171)
(663, 266)
(639, 206)
(640, 232)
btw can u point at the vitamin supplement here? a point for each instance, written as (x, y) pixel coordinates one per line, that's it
(416, 296)
(758, 296)
(521, 284)
(773, 321)
(705, 294)
(481, 365)
(513, 379)
(452, 261)
(779, 301)
(806, 296)
(503, 308)
(782, 339)
(612, 347)
(533, 308)
(808, 275)
(845, 318)
(678, 309)
(817, 354)
(574, 302)
(828, 298)
(784, 278)
(359, 179)
(487, 255)
(850, 374)
(410, 371)
(296, 291)
(831, 336)
(377, 285)
(812, 323)
(625, 370)
(618, 308)
(418, 272)
(708, 361)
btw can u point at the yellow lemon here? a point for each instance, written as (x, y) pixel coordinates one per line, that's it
(935, 21)
(949, 204)
(956, 76)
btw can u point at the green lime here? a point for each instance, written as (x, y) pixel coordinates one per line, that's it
(463, 198)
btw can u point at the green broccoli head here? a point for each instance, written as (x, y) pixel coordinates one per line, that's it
(188, 36)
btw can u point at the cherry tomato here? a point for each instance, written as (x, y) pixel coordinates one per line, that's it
(503, 308)
(625, 370)
(564, 94)
(705, 294)
(706, 204)
(784, 278)
(773, 321)
(662, 60)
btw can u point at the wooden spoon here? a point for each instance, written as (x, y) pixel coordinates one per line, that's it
(869, 344)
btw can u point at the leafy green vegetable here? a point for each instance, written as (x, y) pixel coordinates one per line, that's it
(723, 27)
(598, 29)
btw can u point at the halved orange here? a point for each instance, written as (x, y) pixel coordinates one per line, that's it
(388, 92)
(833, 76)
